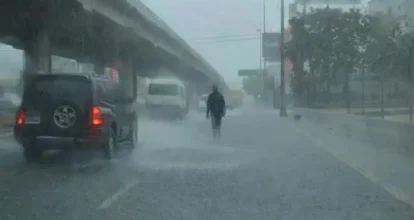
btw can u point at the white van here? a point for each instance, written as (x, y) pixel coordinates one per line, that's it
(167, 97)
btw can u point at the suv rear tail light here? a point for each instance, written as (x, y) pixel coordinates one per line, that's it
(114, 75)
(96, 116)
(21, 115)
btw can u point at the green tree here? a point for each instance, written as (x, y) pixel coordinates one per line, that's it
(295, 50)
(387, 46)
(338, 43)
(332, 42)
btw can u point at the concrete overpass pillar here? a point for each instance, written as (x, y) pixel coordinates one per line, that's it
(37, 54)
(127, 76)
(37, 57)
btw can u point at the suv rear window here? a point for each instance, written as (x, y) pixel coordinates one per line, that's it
(44, 89)
(162, 89)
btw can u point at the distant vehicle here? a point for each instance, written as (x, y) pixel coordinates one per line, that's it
(202, 102)
(112, 74)
(230, 104)
(167, 97)
(237, 97)
(60, 111)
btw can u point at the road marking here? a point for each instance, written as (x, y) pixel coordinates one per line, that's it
(94, 163)
(117, 195)
(219, 166)
(151, 146)
(395, 191)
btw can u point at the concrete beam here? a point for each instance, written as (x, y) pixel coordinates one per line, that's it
(180, 49)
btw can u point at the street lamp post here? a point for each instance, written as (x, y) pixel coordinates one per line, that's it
(264, 16)
(261, 46)
(283, 112)
(260, 59)
(410, 69)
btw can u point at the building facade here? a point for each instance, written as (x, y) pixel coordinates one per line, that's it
(395, 8)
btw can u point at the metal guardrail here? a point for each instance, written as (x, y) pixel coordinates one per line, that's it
(377, 132)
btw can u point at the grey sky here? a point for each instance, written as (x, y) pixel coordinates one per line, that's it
(11, 61)
(194, 19)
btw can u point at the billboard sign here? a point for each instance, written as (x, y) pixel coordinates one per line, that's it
(249, 72)
(271, 46)
(293, 10)
(334, 2)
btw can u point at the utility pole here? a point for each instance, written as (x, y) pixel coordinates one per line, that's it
(264, 59)
(283, 112)
(363, 88)
(410, 69)
(382, 94)
(260, 61)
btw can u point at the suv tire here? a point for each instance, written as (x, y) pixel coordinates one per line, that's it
(109, 146)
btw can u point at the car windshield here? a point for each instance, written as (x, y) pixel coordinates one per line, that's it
(163, 89)
(45, 89)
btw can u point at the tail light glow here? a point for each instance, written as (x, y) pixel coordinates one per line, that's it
(96, 116)
(21, 115)
(114, 74)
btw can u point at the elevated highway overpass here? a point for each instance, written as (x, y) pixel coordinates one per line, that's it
(122, 34)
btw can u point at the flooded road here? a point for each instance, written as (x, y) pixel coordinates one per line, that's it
(262, 168)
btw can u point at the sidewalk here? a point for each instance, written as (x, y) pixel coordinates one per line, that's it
(392, 171)
(404, 117)
(355, 110)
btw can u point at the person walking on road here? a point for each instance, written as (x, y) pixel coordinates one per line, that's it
(216, 110)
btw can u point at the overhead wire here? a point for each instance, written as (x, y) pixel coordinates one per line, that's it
(225, 36)
(229, 40)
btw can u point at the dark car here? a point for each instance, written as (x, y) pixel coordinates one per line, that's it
(64, 111)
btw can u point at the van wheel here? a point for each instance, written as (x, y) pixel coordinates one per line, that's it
(109, 146)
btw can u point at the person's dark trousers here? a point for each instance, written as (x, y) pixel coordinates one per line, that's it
(216, 125)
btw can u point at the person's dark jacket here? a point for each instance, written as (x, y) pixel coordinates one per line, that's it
(216, 105)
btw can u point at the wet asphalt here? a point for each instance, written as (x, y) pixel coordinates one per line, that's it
(261, 168)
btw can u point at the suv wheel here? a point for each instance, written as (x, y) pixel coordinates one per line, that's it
(32, 153)
(110, 145)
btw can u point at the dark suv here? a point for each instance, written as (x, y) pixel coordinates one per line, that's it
(61, 111)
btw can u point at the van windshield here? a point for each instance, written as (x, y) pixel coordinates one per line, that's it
(163, 89)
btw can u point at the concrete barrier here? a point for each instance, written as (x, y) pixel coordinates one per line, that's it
(392, 135)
